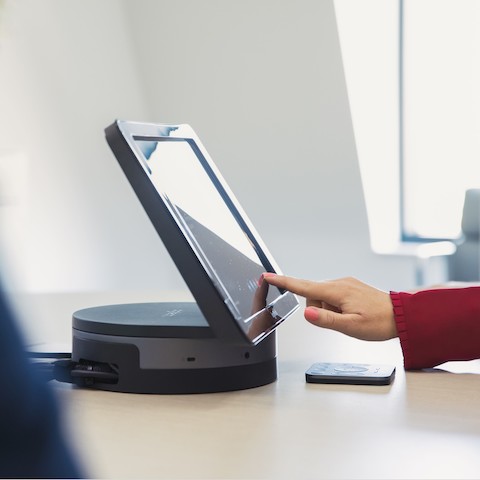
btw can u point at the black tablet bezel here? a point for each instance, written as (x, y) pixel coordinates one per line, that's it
(121, 137)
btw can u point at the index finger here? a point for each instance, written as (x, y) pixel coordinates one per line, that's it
(324, 291)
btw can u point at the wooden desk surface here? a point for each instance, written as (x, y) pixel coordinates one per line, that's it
(424, 425)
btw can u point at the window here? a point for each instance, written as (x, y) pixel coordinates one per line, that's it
(439, 112)
(369, 40)
(412, 69)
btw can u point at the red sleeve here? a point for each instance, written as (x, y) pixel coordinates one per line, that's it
(437, 326)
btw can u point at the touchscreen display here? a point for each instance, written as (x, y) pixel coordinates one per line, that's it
(230, 257)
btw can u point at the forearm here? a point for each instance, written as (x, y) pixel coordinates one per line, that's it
(436, 326)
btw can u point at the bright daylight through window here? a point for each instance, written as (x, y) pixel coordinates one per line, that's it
(440, 113)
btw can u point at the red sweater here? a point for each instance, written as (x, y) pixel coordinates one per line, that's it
(436, 326)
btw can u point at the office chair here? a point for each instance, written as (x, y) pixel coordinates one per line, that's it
(464, 264)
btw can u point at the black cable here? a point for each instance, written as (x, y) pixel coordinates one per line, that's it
(39, 355)
(65, 370)
(92, 372)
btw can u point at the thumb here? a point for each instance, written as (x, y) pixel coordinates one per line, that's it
(321, 317)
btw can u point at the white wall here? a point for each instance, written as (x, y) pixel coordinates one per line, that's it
(261, 82)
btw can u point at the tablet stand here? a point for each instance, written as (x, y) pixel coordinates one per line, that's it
(164, 348)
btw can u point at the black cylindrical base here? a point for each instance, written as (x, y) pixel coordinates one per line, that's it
(163, 348)
(124, 358)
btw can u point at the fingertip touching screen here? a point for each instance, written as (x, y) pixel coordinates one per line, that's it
(209, 237)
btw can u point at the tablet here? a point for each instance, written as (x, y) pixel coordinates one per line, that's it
(209, 237)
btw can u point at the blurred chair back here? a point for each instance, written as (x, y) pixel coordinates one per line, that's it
(464, 264)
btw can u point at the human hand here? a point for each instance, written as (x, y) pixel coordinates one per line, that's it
(263, 321)
(346, 305)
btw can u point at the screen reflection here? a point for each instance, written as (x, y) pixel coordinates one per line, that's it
(181, 175)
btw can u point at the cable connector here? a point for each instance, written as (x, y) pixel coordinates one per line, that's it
(84, 373)
(88, 373)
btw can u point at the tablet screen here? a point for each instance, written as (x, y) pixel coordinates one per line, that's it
(222, 246)
(207, 234)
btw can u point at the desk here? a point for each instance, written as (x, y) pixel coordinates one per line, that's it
(424, 425)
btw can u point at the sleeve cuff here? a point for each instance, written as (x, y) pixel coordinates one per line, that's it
(399, 315)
